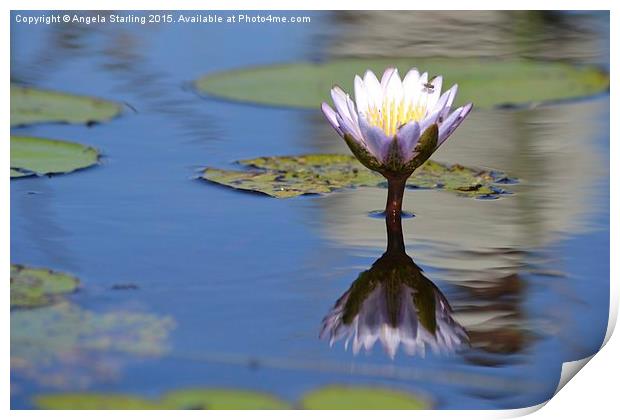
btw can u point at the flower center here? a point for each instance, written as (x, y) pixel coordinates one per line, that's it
(392, 115)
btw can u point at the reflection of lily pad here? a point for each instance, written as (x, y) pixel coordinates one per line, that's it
(33, 155)
(62, 344)
(291, 176)
(361, 398)
(195, 399)
(31, 287)
(487, 83)
(30, 106)
(64, 328)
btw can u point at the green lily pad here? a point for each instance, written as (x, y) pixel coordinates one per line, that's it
(32, 287)
(194, 399)
(486, 83)
(292, 176)
(29, 106)
(362, 398)
(85, 401)
(38, 156)
(223, 399)
(17, 174)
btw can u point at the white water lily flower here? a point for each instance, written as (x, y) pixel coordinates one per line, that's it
(394, 125)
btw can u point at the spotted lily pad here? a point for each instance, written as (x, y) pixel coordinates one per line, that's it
(38, 156)
(29, 106)
(194, 399)
(32, 287)
(292, 176)
(362, 398)
(486, 83)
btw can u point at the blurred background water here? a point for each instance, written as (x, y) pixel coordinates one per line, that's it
(248, 279)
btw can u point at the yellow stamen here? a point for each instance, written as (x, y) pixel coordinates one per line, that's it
(392, 115)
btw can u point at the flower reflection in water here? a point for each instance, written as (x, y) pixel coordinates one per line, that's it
(395, 303)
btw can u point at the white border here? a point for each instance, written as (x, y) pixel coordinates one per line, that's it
(310, 5)
(592, 395)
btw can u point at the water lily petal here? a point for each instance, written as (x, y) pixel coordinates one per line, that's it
(376, 140)
(368, 150)
(361, 95)
(452, 122)
(387, 75)
(352, 110)
(374, 93)
(347, 128)
(423, 79)
(330, 114)
(408, 136)
(435, 93)
(340, 102)
(410, 86)
(392, 88)
(445, 102)
(438, 112)
(419, 97)
(446, 126)
(429, 120)
(410, 81)
(346, 110)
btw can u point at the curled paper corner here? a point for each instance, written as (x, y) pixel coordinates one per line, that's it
(569, 370)
(613, 311)
(520, 412)
(498, 414)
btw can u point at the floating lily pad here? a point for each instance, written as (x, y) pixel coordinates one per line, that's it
(18, 174)
(486, 83)
(32, 287)
(85, 401)
(291, 176)
(195, 399)
(362, 398)
(328, 398)
(38, 156)
(29, 106)
(223, 399)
